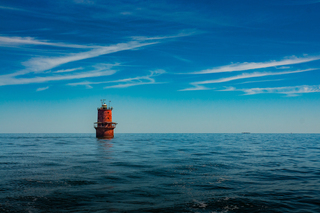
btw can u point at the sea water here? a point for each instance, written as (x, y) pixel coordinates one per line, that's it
(160, 173)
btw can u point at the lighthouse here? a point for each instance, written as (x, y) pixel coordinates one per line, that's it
(104, 126)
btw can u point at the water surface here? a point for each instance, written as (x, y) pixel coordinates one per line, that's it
(160, 173)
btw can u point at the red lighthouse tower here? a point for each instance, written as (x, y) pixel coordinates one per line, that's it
(104, 126)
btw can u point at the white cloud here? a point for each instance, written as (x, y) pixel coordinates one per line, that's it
(127, 82)
(126, 13)
(249, 82)
(68, 70)
(5, 41)
(181, 34)
(42, 64)
(42, 88)
(298, 2)
(198, 85)
(10, 8)
(249, 75)
(16, 40)
(289, 91)
(181, 59)
(283, 67)
(84, 1)
(253, 65)
(229, 89)
(16, 81)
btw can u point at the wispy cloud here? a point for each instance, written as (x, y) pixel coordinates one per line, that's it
(283, 67)
(259, 65)
(16, 40)
(16, 81)
(127, 82)
(5, 41)
(250, 75)
(249, 82)
(41, 67)
(84, 1)
(100, 66)
(41, 64)
(126, 13)
(297, 2)
(198, 85)
(68, 70)
(289, 91)
(181, 34)
(9, 8)
(181, 59)
(42, 88)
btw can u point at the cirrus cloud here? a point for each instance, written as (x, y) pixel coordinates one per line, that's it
(198, 85)
(288, 90)
(127, 82)
(257, 65)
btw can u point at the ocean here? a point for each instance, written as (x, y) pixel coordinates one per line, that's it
(160, 173)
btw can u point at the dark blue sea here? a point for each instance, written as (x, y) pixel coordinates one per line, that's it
(160, 173)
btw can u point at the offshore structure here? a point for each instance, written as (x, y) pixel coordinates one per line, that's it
(104, 125)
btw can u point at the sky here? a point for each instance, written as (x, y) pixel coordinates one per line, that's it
(173, 66)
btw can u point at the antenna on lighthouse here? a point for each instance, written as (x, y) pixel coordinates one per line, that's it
(102, 101)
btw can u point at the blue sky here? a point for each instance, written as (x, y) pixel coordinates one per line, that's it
(167, 66)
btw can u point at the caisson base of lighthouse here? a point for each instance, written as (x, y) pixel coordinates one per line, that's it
(104, 126)
(102, 132)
